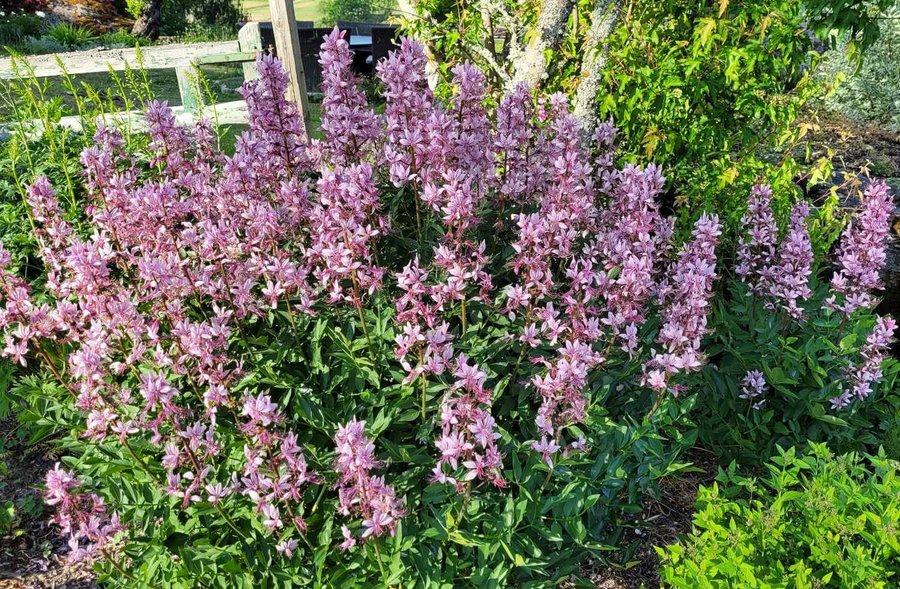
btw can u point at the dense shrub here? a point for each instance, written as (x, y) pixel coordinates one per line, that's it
(787, 337)
(202, 18)
(456, 345)
(15, 28)
(260, 357)
(813, 521)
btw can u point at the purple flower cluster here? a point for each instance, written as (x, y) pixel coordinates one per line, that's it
(349, 125)
(781, 271)
(685, 299)
(633, 241)
(408, 115)
(425, 337)
(756, 250)
(227, 236)
(469, 434)
(777, 271)
(512, 140)
(83, 517)
(862, 252)
(788, 277)
(347, 220)
(360, 493)
(753, 387)
(873, 353)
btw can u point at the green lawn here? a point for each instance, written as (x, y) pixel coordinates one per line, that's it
(304, 9)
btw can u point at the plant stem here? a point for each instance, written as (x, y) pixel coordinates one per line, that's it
(384, 577)
(659, 398)
(462, 316)
(424, 382)
(121, 569)
(357, 302)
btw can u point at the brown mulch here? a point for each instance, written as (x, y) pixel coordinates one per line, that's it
(29, 551)
(856, 145)
(661, 523)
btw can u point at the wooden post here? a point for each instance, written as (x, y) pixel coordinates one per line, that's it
(287, 44)
(187, 87)
(250, 39)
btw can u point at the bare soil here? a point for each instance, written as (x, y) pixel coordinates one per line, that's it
(29, 550)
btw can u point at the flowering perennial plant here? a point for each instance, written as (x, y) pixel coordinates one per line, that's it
(428, 329)
(797, 347)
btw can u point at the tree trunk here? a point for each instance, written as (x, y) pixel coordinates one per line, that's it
(530, 65)
(147, 24)
(603, 21)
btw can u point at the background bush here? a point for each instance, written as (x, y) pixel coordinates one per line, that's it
(16, 28)
(204, 18)
(867, 92)
(817, 520)
(355, 11)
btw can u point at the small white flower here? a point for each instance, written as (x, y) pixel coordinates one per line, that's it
(40, 14)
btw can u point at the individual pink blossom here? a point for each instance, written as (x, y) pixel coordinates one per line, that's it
(287, 547)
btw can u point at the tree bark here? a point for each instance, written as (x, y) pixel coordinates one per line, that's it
(603, 21)
(147, 24)
(530, 64)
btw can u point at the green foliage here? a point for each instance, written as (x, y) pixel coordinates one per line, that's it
(859, 24)
(535, 533)
(202, 19)
(71, 36)
(355, 11)
(705, 90)
(813, 521)
(134, 7)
